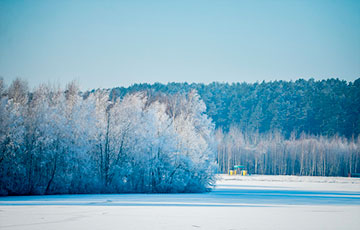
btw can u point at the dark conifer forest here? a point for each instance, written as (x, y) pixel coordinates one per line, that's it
(327, 107)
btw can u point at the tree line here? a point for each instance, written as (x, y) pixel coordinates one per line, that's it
(172, 138)
(55, 140)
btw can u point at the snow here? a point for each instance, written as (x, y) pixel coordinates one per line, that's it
(250, 202)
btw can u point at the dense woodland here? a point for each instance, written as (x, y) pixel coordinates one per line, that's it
(302, 127)
(172, 138)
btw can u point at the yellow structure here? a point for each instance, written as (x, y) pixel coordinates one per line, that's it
(241, 172)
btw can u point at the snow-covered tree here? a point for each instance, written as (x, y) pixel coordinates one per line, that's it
(63, 141)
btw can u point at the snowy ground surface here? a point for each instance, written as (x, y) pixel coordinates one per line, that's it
(250, 202)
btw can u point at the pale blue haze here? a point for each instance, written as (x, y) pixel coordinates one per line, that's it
(119, 43)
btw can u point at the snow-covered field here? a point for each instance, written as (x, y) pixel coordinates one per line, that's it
(251, 202)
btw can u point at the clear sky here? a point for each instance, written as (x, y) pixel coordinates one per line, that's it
(119, 43)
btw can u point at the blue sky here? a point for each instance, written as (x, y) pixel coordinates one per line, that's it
(119, 43)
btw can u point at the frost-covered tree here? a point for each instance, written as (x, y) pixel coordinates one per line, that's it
(194, 140)
(141, 148)
(63, 141)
